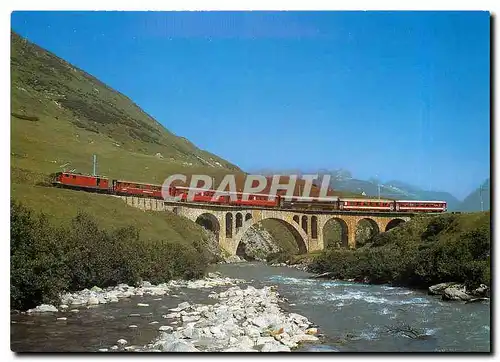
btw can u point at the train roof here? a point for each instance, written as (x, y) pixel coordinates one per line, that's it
(423, 201)
(138, 183)
(80, 174)
(365, 200)
(312, 198)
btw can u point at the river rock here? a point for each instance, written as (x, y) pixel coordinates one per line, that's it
(481, 291)
(188, 318)
(261, 322)
(77, 301)
(273, 347)
(240, 319)
(312, 331)
(304, 338)
(165, 328)
(142, 305)
(43, 308)
(245, 342)
(63, 306)
(179, 346)
(92, 301)
(122, 342)
(96, 289)
(264, 340)
(132, 326)
(455, 293)
(252, 331)
(438, 289)
(171, 315)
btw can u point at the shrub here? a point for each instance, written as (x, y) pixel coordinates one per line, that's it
(38, 265)
(420, 253)
(47, 260)
(436, 225)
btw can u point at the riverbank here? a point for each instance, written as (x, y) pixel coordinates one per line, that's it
(349, 316)
(422, 252)
(242, 319)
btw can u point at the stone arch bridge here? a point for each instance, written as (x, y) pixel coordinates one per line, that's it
(307, 226)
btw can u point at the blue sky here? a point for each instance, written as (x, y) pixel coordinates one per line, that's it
(401, 95)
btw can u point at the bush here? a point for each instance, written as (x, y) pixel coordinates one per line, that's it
(38, 264)
(420, 253)
(47, 260)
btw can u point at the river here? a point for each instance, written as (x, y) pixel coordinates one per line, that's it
(353, 317)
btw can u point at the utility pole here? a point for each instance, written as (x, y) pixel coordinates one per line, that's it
(378, 186)
(94, 163)
(481, 196)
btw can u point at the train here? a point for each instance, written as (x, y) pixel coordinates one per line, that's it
(103, 184)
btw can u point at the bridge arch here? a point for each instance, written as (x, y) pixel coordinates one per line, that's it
(314, 227)
(304, 223)
(239, 221)
(366, 228)
(299, 235)
(209, 222)
(335, 233)
(229, 225)
(394, 223)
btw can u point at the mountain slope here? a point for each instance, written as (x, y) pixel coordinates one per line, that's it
(61, 115)
(473, 201)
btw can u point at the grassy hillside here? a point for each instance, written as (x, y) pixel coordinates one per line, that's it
(61, 115)
(424, 251)
(110, 212)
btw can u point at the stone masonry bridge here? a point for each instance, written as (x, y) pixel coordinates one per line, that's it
(230, 223)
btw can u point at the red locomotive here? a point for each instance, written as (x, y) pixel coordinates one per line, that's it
(79, 181)
(129, 188)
